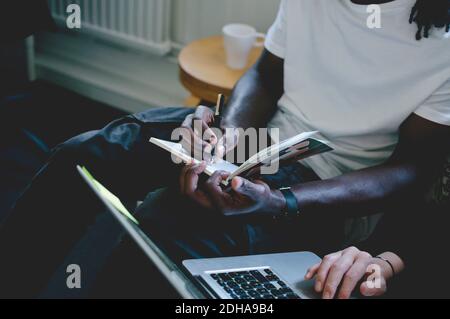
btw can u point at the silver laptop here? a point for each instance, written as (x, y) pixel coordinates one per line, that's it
(271, 276)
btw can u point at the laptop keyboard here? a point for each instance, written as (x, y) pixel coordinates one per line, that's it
(254, 284)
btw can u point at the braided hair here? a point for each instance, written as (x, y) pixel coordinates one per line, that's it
(430, 13)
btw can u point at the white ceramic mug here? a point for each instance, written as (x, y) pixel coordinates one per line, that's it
(239, 39)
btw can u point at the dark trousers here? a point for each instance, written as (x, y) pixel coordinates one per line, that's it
(58, 214)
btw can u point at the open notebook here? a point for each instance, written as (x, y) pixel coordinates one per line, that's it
(293, 149)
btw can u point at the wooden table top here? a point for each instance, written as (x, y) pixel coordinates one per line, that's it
(203, 68)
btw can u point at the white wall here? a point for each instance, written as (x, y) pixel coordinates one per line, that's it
(192, 19)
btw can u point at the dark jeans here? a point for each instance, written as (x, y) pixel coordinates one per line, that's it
(187, 231)
(57, 210)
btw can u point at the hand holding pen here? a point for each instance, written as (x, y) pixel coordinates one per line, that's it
(230, 136)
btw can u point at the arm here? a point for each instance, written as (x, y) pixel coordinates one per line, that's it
(413, 166)
(405, 176)
(251, 104)
(254, 99)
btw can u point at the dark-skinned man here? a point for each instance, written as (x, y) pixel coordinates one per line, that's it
(380, 96)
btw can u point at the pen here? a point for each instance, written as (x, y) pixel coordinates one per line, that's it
(217, 117)
(219, 106)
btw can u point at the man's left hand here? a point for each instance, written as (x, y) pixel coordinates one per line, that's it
(243, 198)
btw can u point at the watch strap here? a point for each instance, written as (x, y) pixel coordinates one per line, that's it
(292, 208)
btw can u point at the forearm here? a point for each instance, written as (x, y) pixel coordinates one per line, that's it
(254, 99)
(251, 104)
(360, 193)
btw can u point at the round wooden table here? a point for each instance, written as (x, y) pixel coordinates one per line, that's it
(204, 72)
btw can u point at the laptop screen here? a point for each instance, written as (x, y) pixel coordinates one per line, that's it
(184, 286)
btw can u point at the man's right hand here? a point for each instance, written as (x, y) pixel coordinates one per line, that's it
(227, 142)
(252, 103)
(200, 138)
(203, 138)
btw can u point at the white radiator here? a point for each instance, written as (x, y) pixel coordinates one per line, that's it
(140, 24)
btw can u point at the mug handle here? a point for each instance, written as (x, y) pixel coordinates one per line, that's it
(260, 43)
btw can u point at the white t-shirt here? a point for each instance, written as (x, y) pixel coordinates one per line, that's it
(354, 84)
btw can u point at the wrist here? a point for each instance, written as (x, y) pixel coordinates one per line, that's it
(278, 201)
(394, 261)
(387, 272)
(390, 263)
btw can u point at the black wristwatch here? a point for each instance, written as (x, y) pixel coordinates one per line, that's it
(292, 209)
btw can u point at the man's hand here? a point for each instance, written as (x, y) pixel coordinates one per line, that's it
(340, 273)
(244, 198)
(200, 138)
(227, 143)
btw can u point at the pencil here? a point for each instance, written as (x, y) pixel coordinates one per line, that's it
(219, 104)
(217, 118)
